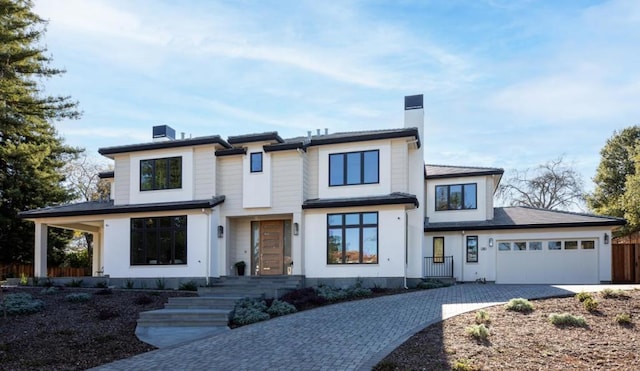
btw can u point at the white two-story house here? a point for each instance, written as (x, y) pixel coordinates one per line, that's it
(331, 208)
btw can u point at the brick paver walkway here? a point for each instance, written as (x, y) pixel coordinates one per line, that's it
(347, 336)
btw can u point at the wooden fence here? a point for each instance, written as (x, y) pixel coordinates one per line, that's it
(18, 270)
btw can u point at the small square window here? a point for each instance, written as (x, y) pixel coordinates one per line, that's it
(256, 162)
(555, 245)
(504, 246)
(588, 245)
(570, 245)
(519, 246)
(535, 246)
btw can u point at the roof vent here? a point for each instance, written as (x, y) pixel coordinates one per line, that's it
(163, 133)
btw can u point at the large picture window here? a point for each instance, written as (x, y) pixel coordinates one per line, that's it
(354, 168)
(472, 249)
(161, 240)
(352, 238)
(161, 173)
(456, 197)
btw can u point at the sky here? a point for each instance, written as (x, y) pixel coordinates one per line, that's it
(508, 84)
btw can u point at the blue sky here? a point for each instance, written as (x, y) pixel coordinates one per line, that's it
(507, 84)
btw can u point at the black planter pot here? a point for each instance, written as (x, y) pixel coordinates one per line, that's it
(240, 270)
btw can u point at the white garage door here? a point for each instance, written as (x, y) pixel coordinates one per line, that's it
(567, 261)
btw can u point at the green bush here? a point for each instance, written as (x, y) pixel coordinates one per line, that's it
(332, 293)
(482, 317)
(590, 304)
(78, 297)
(582, 296)
(74, 283)
(280, 308)
(21, 303)
(623, 319)
(431, 283)
(613, 294)
(567, 319)
(24, 280)
(189, 286)
(462, 364)
(49, 290)
(359, 292)
(128, 284)
(519, 305)
(480, 331)
(249, 311)
(160, 284)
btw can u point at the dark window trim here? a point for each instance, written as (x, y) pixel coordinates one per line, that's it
(360, 226)
(449, 208)
(144, 233)
(251, 162)
(154, 187)
(470, 238)
(438, 260)
(362, 167)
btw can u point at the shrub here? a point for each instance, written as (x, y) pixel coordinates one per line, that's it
(21, 303)
(106, 291)
(582, 296)
(280, 308)
(331, 293)
(24, 280)
(462, 364)
(590, 304)
(49, 290)
(160, 284)
(480, 331)
(304, 298)
(431, 283)
(359, 292)
(189, 286)
(249, 311)
(78, 297)
(74, 283)
(519, 305)
(623, 319)
(143, 299)
(128, 284)
(101, 285)
(567, 319)
(613, 294)
(482, 316)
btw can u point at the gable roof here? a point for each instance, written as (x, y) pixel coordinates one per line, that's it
(213, 139)
(448, 171)
(521, 217)
(107, 207)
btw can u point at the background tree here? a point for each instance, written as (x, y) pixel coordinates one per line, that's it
(618, 178)
(31, 153)
(553, 185)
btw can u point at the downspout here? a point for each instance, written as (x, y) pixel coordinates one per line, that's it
(406, 247)
(209, 243)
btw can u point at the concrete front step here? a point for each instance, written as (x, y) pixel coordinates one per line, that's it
(197, 302)
(251, 292)
(184, 318)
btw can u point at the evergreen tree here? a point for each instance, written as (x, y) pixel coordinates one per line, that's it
(31, 153)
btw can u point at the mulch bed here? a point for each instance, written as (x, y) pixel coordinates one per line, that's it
(76, 336)
(520, 341)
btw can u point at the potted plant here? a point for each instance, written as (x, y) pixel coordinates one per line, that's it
(240, 267)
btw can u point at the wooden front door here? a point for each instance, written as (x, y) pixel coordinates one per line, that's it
(271, 247)
(625, 260)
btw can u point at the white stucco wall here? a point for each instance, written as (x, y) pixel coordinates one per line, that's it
(117, 248)
(482, 201)
(391, 245)
(256, 187)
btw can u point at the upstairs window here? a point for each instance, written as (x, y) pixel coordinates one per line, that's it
(256, 162)
(456, 197)
(161, 173)
(354, 168)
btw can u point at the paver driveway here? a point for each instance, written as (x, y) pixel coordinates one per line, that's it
(347, 336)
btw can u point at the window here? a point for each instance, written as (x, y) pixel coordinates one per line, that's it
(472, 249)
(570, 245)
(504, 246)
(456, 197)
(161, 240)
(555, 245)
(161, 173)
(354, 168)
(352, 238)
(256, 162)
(438, 249)
(535, 246)
(519, 246)
(587, 245)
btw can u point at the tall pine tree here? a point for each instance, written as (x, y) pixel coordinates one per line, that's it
(31, 153)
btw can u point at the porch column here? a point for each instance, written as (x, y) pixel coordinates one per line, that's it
(40, 251)
(96, 259)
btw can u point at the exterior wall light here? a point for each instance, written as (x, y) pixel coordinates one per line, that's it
(296, 229)
(220, 231)
(606, 239)
(491, 242)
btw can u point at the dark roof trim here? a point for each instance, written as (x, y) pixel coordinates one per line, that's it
(106, 174)
(214, 139)
(608, 223)
(284, 147)
(460, 175)
(109, 208)
(231, 151)
(261, 137)
(392, 199)
(400, 133)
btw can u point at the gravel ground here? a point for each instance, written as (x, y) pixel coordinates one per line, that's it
(520, 341)
(76, 336)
